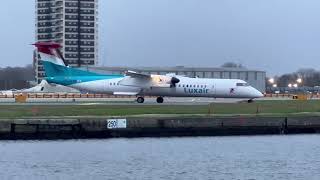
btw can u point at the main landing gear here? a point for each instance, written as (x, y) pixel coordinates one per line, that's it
(250, 101)
(159, 99)
(140, 99)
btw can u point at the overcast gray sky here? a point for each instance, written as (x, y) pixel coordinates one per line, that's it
(273, 35)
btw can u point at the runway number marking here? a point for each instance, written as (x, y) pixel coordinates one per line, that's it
(116, 123)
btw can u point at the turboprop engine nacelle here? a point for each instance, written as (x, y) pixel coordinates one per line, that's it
(162, 79)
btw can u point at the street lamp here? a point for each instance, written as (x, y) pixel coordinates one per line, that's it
(274, 85)
(290, 85)
(295, 85)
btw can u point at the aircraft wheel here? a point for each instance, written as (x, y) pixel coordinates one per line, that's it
(140, 99)
(159, 99)
(250, 101)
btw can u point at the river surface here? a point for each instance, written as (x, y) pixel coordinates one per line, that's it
(242, 157)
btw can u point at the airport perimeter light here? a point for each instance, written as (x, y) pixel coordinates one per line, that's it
(299, 80)
(271, 80)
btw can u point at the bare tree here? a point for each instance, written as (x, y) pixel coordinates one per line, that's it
(306, 72)
(310, 77)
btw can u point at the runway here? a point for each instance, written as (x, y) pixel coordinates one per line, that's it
(118, 101)
(128, 101)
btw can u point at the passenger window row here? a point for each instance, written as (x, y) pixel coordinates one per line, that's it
(194, 86)
(114, 84)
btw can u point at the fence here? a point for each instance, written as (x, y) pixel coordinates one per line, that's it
(72, 95)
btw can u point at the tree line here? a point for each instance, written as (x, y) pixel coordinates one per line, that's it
(310, 78)
(16, 77)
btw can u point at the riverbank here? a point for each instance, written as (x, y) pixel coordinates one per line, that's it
(155, 126)
(51, 121)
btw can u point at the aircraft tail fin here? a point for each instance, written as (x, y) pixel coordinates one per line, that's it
(49, 51)
(54, 63)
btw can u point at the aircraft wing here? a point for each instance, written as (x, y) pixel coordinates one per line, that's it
(147, 81)
(137, 75)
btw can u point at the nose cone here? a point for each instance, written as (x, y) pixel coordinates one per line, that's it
(257, 94)
(254, 93)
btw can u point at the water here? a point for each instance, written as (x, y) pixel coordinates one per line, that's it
(253, 157)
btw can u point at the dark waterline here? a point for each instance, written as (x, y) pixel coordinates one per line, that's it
(244, 157)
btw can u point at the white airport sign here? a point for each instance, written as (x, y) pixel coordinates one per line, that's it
(116, 123)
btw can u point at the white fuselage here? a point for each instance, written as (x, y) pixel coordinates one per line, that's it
(187, 87)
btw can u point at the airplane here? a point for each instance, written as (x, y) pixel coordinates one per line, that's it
(138, 84)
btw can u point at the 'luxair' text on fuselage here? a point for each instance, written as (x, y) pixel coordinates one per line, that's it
(196, 91)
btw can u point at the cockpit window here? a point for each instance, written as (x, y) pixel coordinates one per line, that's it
(242, 84)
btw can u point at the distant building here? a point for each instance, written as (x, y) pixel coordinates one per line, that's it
(73, 23)
(253, 77)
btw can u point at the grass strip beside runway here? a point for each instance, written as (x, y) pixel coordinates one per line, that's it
(259, 107)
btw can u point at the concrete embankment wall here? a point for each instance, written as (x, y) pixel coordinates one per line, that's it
(65, 128)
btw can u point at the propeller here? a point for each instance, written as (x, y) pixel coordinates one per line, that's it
(174, 81)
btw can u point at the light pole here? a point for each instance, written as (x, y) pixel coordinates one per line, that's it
(273, 84)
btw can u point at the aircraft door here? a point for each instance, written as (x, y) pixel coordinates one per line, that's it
(212, 90)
